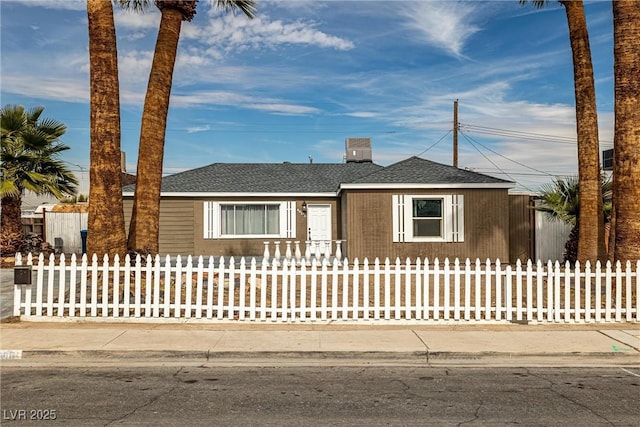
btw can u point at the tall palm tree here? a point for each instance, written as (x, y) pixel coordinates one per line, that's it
(591, 245)
(105, 229)
(145, 218)
(626, 152)
(30, 149)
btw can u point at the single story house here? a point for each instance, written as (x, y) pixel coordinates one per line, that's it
(412, 208)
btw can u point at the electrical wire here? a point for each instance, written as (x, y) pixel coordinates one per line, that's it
(490, 161)
(434, 144)
(505, 157)
(486, 130)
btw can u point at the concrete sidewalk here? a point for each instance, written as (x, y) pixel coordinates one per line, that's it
(521, 345)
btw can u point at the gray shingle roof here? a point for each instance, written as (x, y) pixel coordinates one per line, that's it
(313, 177)
(265, 178)
(415, 170)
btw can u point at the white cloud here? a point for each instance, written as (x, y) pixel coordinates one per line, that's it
(55, 4)
(363, 114)
(233, 32)
(195, 129)
(136, 21)
(280, 108)
(236, 99)
(443, 24)
(134, 66)
(69, 89)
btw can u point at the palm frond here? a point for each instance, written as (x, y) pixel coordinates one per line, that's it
(537, 3)
(9, 188)
(30, 150)
(248, 7)
(560, 199)
(137, 6)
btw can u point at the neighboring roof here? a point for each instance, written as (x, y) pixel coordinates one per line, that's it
(265, 178)
(128, 179)
(417, 171)
(31, 200)
(320, 178)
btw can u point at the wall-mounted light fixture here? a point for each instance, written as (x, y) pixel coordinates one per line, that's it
(303, 210)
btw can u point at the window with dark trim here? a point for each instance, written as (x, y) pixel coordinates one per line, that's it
(427, 217)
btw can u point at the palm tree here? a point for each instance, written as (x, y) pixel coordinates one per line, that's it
(145, 217)
(106, 232)
(30, 149)
(560, 200)
(626, 152)
(591, 245)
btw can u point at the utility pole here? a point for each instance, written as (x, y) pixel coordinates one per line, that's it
(455, 133)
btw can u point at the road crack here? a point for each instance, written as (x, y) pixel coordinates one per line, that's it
(553, 388)
(153, 400)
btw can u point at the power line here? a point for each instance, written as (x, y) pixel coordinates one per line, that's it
(489, 170)
(434, 144)
(505, 157)
(518, 132)
(490, 161)
(507, 133)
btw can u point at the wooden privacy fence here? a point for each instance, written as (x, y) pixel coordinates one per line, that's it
(289, 291)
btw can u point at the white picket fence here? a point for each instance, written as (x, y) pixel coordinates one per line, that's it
(311, 290)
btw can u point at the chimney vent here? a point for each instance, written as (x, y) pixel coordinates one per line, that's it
(358, 150)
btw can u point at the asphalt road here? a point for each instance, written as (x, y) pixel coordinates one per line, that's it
(372, 396)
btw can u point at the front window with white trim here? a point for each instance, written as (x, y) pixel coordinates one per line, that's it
(249, 219)
(428, 218)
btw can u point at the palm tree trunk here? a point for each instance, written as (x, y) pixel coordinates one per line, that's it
(145, 219)
(591, 238)
(570, 252)
(12, 239)
(626, 153)
(106, 233)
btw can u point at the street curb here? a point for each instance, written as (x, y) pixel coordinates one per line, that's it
(356, 357)
(208, 355)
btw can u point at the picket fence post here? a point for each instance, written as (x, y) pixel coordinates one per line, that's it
(157, 271)
(366, 292)
(126, 308)
(116, 286)
(467, 289)
(587, 292)
(577, 285)
(345, 288)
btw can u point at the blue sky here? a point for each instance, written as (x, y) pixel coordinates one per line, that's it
(304, 75)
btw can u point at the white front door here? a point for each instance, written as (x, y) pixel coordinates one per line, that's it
(319, 228)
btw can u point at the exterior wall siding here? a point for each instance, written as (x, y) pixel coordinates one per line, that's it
(369, 221)
(521, 233)
(255, 246)
(177, 217)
